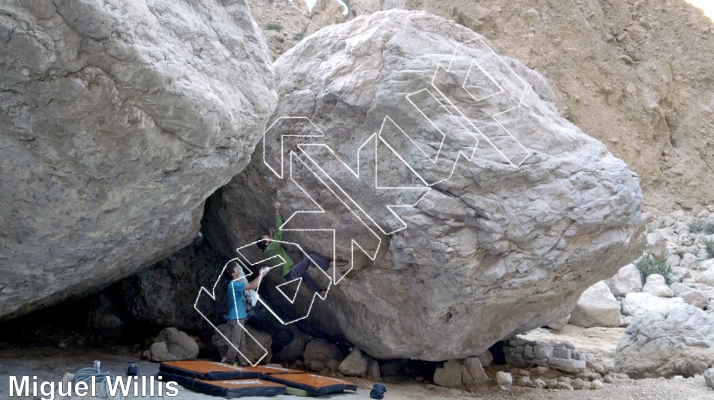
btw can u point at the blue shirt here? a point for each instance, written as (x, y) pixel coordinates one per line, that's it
(235, 300)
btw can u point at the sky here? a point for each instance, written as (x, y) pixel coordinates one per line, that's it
(706, 5)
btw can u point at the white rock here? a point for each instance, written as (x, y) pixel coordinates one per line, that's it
(504, 378)
(707, 277)
(656, 244)
(664, 343)
(709, 377)
(656, 286)
(680, 273)
(690, 295)
(673, 260)
(637, 304)
(706, 264)
(627, 280)
(596, 307)
(689, 260)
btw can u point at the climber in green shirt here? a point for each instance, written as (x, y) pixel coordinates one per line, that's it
(270, 246)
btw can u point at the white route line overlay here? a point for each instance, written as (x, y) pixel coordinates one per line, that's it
(266, 305)
(280, 175)
(494, 116)
(293, 156)
(212, 295)
(299, 281)
(356, 174)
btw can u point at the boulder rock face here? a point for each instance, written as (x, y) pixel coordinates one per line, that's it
(596, 307)
(117, 121)
(164, 294)
(635, 75)
(541, 212)
(667, 343)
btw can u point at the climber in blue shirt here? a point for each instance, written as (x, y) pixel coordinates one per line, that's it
(236, 313)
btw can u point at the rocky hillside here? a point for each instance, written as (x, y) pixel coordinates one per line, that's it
(635, 74)
(116, 123)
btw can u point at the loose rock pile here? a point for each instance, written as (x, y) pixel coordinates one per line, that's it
(678, 238)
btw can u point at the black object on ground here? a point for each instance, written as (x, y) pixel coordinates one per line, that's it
(133, 370)
(378, 391)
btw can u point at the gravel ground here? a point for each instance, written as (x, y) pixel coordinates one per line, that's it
(50, 364)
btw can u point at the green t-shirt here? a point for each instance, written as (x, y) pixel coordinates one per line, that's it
(276, 249)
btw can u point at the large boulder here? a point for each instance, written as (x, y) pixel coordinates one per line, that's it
(664, 343)
(627, 280)
(630, 88)
(116, 123)
(490, 233)
(636, 304)
(596, 307)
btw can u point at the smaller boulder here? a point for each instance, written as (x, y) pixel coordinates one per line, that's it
(707, 277)
(504, 378)
(159, 353)
(665, 343)
(673, 260)
(637, 304)
(691, 296)
(321, 350)
(656, 286)
(178, 343)
(486, 358)
(373, 372)
(355, 364)
(709, 377)
(627, 280)
(657, 244)
(596, 307)
(680, 273)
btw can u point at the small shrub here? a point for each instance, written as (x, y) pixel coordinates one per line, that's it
(274, 26)
(649, 265)
(709, 246)
(700, 226)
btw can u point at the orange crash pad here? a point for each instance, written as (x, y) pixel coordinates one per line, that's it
(207, 370)
(313, 384)
(228, 388)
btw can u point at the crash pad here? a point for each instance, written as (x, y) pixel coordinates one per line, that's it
(208, 370)
(227, 388)
(313, 384)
